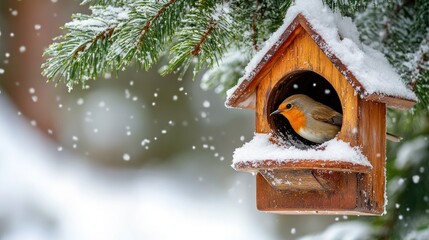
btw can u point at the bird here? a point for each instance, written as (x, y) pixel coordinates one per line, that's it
(313, 120)
(310, 119)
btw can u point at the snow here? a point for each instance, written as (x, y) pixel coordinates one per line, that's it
(47, 194)
(88, 24)
(221, 11)
(417, 59)
(422, 234)
(103, 19)
(249, 102)
(369, 66)
(22, 49)
(260, 148)
(126, 157)
(230, 65)
(416, 179)
(206, 104)
(411, 153)
(345, 230)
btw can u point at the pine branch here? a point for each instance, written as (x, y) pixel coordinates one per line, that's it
(348, 8)
(403, 38)
(80, 54)
(106, 2)
(270, 15)
(387, 23)
(255, 27)
(152, 19)
(147, 33)
(420, 63)
(210, 28)
(204, 36)
(224, 76)
(199, 32)
(91, 42)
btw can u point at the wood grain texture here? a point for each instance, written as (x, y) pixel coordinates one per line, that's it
(392, 102)
(262, 93)
(339, 166)
(284, 201)
(295, 180)
(372, 138)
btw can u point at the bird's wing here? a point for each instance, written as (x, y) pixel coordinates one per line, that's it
(328, 115)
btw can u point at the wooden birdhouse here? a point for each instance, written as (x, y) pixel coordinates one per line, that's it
(313, 56)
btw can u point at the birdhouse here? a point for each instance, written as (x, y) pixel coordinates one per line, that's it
(316, 54)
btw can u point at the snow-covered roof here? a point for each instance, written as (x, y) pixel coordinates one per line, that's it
(366, 69)
(260, 151)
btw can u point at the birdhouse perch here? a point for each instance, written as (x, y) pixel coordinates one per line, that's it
(345, 175)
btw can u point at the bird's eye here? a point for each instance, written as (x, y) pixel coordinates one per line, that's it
(288, 106)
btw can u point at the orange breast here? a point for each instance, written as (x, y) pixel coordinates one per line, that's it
(296, 119)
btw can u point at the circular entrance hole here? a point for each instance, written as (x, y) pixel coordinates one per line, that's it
(303, 82)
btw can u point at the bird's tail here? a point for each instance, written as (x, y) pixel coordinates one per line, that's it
(392, 137)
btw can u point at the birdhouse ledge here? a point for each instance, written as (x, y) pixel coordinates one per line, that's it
(334, 155)
(292, 169)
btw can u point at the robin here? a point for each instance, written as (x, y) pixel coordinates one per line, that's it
(313, 120)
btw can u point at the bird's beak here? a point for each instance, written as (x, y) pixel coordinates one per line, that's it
(275, 112)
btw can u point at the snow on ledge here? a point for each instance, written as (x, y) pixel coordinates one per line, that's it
(260, 148)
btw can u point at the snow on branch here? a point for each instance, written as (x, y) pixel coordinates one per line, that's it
(79, 55)
(202, 38)
(401, 32)
(110, 38)
(145, 36)
(105, 2)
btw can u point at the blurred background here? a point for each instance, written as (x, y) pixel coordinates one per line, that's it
(139, 156)
(135, 156)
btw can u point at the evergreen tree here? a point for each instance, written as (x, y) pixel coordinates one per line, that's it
(222, 36)
(204, 34)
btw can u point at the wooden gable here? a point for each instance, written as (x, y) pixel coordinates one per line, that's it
(303, 54)
(246, 89)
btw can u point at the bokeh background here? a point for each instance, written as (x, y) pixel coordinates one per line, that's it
(134, 156)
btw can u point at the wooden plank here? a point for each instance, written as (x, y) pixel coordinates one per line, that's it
(339, 212)
(339, 166)
(390, 101)
(262, 93)
(294, 180)
(280, 201)
(332, 58)
(372, 136)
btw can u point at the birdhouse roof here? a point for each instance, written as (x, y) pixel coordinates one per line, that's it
(366, 69)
